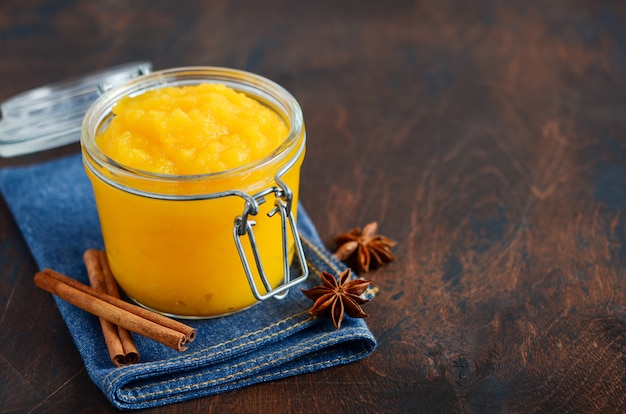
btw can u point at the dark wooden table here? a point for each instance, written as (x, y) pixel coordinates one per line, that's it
(487, 138)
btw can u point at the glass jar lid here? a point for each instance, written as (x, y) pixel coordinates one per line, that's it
(50, 116)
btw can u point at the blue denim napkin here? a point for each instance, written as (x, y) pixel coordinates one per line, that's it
(55, 210)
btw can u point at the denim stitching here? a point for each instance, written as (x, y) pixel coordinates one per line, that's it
(316, 341)
(218, 352)
(287, 371)
(201, 374)
(235, 347)
(353, 356)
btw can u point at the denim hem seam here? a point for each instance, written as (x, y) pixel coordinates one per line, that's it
(310, 367)
(205, 355)
(312, 343)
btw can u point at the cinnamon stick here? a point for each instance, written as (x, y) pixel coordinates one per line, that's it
(119, 342)
(111, 287)
(160, 328)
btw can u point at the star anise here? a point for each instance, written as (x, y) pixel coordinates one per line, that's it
(372, 250)
(338, 297)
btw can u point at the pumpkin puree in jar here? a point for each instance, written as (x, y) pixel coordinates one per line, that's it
(179, 257)
(187, 130)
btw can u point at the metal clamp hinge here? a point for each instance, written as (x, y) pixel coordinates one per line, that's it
(244, 226)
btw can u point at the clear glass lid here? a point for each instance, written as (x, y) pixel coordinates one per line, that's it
(50, 116)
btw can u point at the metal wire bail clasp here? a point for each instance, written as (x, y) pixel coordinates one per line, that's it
(244, 226)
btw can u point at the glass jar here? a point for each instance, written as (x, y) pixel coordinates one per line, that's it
(206, 245)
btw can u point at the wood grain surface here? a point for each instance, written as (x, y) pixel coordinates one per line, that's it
(488, 138)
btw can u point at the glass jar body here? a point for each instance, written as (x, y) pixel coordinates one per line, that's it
(171, 240)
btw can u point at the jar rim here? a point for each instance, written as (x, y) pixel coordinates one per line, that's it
(258, 87)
